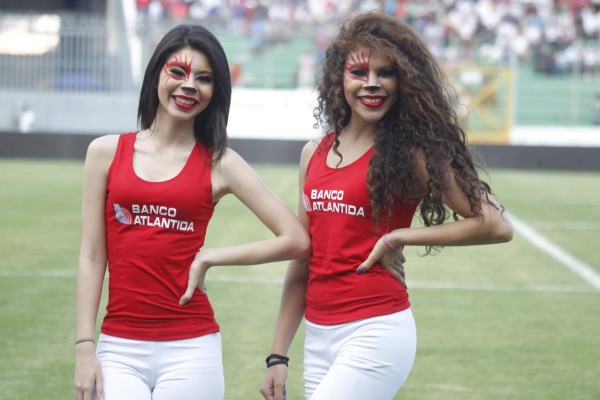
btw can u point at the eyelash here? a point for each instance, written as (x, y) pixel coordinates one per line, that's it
(358, 72)
(383, 73)
(177, 72)
(181, 74)
(205, 79)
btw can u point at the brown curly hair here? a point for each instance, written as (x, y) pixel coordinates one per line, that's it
(422, 120)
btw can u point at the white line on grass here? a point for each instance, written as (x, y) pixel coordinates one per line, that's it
(500, 287)
(46, 273)
(265, 279)
(577, 266)
(224, 277)
(571, 226)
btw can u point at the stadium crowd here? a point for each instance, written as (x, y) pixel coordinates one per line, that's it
(555, 35)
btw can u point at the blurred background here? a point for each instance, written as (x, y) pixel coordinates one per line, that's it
(526, 72)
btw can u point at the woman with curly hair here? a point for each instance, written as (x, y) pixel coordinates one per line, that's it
(395, 146)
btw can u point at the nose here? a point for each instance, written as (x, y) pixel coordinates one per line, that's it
(372, 83)
(189, 89)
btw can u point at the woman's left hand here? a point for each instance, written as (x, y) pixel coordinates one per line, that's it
(391, 260)
(196, 277)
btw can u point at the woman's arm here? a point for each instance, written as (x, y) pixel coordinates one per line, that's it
(291, 311)
(293, 300)
(488, 225)
(92, 264)
(290, 241)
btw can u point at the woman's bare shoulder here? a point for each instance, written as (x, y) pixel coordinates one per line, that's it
(102, 149)
(309, 148)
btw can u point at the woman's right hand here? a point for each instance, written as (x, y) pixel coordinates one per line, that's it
(273, 386)
(88, 373)
(196, 276)
(391, 260)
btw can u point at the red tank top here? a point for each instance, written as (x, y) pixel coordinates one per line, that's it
(153, 231)
(343, 234)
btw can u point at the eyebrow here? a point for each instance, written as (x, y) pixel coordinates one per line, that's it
(185, 65)
(361, 58)
(177, 63)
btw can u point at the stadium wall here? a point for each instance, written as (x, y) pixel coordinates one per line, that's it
(269, 126)
(277, 151)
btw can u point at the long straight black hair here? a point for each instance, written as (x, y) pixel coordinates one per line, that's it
(210, 126)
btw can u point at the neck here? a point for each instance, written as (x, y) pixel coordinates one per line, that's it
(170, 131)
(359, 132)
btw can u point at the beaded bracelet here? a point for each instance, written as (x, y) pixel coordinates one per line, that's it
(388, 243)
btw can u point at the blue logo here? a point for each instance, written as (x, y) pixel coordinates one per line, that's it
(123, 216)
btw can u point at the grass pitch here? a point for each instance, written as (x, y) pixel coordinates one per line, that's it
(494, 322)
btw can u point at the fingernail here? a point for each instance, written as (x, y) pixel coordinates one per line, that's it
(359, 271)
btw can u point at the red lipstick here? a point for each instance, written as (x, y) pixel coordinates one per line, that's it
(184, 102)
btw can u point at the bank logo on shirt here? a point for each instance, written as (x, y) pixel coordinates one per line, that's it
(330, 201)
(306, 202)
(123, 216)
(152, 215)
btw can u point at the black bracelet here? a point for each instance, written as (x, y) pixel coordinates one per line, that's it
(84, 340)
(277, 362)
(279, 359)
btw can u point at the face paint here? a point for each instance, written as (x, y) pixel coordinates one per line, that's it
(178, 68)
(370, 85)
(357, 66)
(186, 84)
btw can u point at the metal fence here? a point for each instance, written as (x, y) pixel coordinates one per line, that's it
(70, 52)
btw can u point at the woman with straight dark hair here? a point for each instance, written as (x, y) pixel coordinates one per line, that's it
(394, 147)
(148, 197)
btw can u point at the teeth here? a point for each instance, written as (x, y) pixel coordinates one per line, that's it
(372, 100)
(185, 101)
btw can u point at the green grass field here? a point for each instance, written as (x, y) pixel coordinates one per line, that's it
(494, 322)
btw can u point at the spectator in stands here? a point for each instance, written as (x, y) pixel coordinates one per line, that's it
(596, 110)
(469, 29)
(463, 23)
(148, 197)
(305, 74)
(590, 20)
(533, 24)
(26, 119)
(142, 7)
(490, 13)
(155, 10)
(258, 20)
(237, 77)
(395, 145)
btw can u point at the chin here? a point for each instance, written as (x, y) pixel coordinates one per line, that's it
(373, 119)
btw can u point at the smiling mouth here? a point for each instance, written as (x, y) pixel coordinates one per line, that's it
(186, 103)
(372, 101)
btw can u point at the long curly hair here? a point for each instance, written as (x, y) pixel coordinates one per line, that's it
(422, 120)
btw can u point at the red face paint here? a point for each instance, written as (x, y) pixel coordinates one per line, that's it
(358, 61)
(178, 69)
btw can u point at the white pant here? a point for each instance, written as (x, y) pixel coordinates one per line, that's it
(368, 359)
(189, 369)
